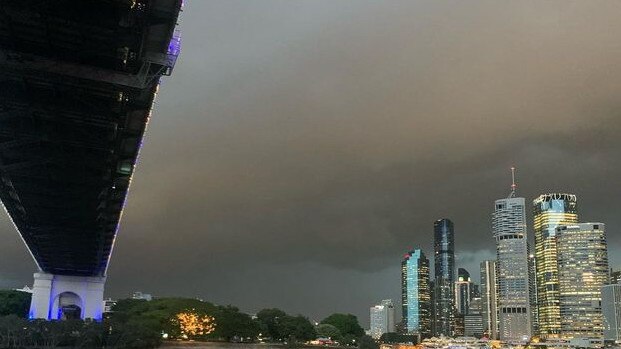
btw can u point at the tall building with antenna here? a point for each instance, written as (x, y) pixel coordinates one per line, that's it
(512, 268)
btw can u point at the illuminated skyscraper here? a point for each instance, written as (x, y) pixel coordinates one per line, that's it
(550, 211)
(611, 308)
(532, 280)
(473, 322)
(415, 293)
(489, 303)
(509, 230)
(382, 318)
(475, 290)
(444, 293)
(582, 272)
(463, 291)
(615, 276)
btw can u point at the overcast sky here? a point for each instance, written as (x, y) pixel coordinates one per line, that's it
(302, 146)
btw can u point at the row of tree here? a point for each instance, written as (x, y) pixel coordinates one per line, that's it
(14, 303)
(343, 328)
(143, 324)
(277, 325)
(229, 324)
(17, 332)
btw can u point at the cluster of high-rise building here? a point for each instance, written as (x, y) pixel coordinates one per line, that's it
(563, 289)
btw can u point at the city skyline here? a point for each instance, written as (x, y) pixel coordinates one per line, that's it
(323, 138)
(431, 264)
(557, 293)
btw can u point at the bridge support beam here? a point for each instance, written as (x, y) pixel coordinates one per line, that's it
(58, 297)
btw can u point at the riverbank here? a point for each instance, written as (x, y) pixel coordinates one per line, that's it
(227, 345)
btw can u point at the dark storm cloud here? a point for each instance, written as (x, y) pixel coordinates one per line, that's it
(302, 146)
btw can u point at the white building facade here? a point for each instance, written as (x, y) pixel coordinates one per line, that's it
(382, 318)
(463, 292)
(144, 296)
(512, 269)
(489, 301)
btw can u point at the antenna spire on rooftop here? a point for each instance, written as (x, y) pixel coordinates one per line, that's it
(513, 185)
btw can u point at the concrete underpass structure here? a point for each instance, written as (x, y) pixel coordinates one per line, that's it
(77, 84)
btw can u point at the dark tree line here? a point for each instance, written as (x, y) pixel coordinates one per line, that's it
(347, 325)
(16, 332)
(341, 328)
(278, 326)
(14, 303)
(230, 323)
(141, 324)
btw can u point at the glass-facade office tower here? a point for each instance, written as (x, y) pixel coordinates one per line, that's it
(489, 303)
(532, 280)
(415, 293)
(611, 309)
(550, 211)
(473, 322)
(463, 291)
(475, 290)
(512, 269)
(458, 325)
(382, 318)
(582, 272)
(432, 317)
(615, 276)
(444, 294)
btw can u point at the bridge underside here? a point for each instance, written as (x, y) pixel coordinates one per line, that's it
(77, 83)
(67, 154)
